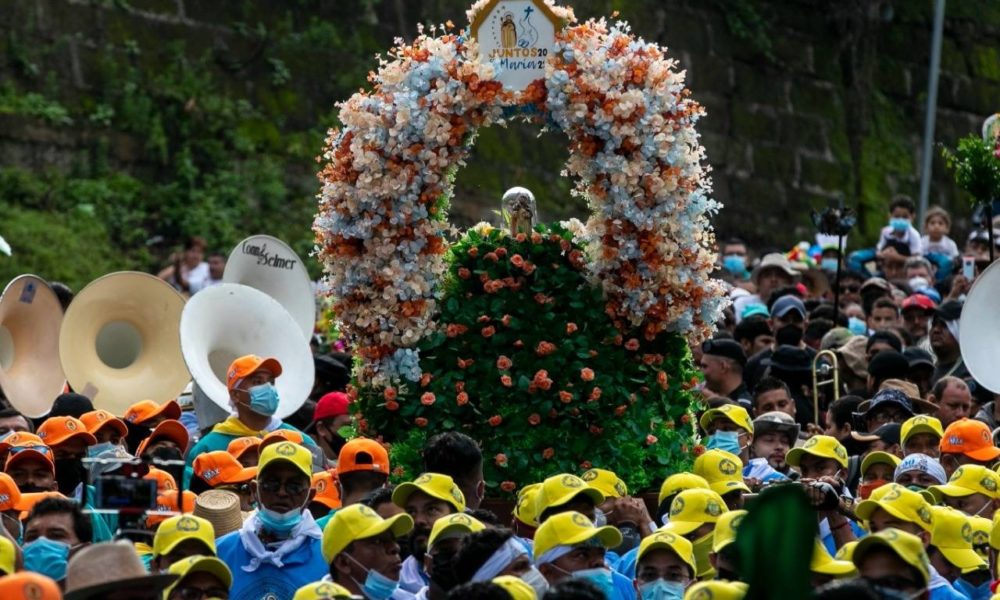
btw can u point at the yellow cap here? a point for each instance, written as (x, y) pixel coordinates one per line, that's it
(7, 555)
(995, 531)
(716, 590)
(434, 485)
(920, 424)
(981, 530)
(678, 482)
(199, 564)
(606, 482)
(524, 510)
(725, 529)
(723, 471)
(822, 446)
(968, 480)
(846, 552)
(292, 453)
(561, 489)
(953, 537)
(734, 412)
(901, 503)
(358, 522)
(452, 526)
(879, 458)
(177, 529)
(665, 540)
(572, 529)
(322, 590)
(693, 508)
(824, 564)
(515, 587)
(908, 547)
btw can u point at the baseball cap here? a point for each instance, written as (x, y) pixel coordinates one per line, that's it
(968, 480)
(949, 311)
(725, 348)
(981, 530)
(774, 260)
(171, 501)
(31, 452)
(919, 302)
(358, 522)
(692, 508)
(59, 430)
(920, 424)
(10, 494)
(145, 410)
(199, 564)
(786, 304)
(725, 529)
(170, 430)
(824, 564)
(879, 458)
(330, 405)
(515, 587)
(888, 364)
(8, 555)
(846, 552)
(835, 338)
(241, 444)
(219, 467)
(453, 526)
(877, 283)
(363, 454)
(678, 482)
(177, 529)
(776, 421)
(322, 590)
(922, 463)
(918, 357)
(19, 438)
(723, 471)
(96, 420)
(327, 493)
(952, 536)
(717, 590)
(734, 412)
(900, 502)
(164, 481)
(823, 446)
(281, 435)
(561, 532)
(606, 482)
(561, 489)
(26, 585)
(885, 397)
(249, 364)
(971, 438)
(887, 433)
(665, 540)
(908, 547)
(524, 510)
(30, 499)
(293, 454)
(434, 485)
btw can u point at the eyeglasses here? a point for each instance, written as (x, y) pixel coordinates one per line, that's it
(40, 449)
(272, 486)
(193, 593)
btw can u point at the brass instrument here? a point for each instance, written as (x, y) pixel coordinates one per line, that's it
(824, 370)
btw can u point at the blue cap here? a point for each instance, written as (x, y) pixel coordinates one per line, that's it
(930, 292)
(787, 303)
(754, 308)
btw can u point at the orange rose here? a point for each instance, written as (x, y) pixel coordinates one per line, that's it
(495, 420)
(506, 380)
(501, 252)
(491, 256)
(483, 319)
(528, 268)
(545, 384)
(391, 405)
(517, 260)
(508, 486)
(661, 378)
(535, 419)
(488, 331)
(685, 418)
(464, 273)
(389, 393)
(698, 450)
(465, 363)
(420, 422)
(518, 344)
(500, 460)
(473, 252)
(545, 348)
(565, 397)
(505, 320)
(459, 386)
(620, 410)
(504, 363)
(632, 345)
(425, 379)
(571, 328)
(536, 238)
(595, 394)
(595, 430)
(650, 439)
(540, 375)
(521, 237)
(548, 453)
(587, 374)
(586, 465)
(462, 399)
(427, 399)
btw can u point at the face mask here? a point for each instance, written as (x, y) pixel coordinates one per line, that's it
(829, 264)
(278, 523)
(377, 586)
(536, 580)
(47, 557)
(890, 594)
(264, 399)
(725, 440)
(600, 519)
(788, 335)
(630, 538)
(973, 591)
(69, 474)
(99, 449)
(865, 489)
(734, 263)
(899, 224)
(857, 326)
(661, 590)
(915, 488)
(702, 548)
(601, 578)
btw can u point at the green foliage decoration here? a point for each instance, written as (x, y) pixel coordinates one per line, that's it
(976, 167)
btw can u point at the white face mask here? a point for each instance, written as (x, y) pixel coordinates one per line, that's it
(536, 580)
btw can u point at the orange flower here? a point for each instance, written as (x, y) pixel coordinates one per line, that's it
(652, 359)
(528, 268)
(504, 363)
(425, 379)
(535, 419)
(548, 453)
(517, 260)
(505, 320)
(620, 410)
(500, 460)
(491, 256)
(698, 450)
(661, 378)
(459, 386)
(595, 430)
(462, 399)
(420, 422)
(586, 465)
(565, 397)
(483, 319)
(464, 273)
(632, 345)
(495, 420)
(540, 375)
(650, 439)
(545, 348)
(586, 374)
(427, 399)
(488, 331)
(595, 394)
(465, 363)
(506, 381)
(391, 405)
(541, 298)
(508, 486)
(536, 238)
(455, 330)
(389, 393)
(571, 328)
(518, 344)
(399, 471)
(521, 237)
(685, 418)
(474, 252)
(501, 252)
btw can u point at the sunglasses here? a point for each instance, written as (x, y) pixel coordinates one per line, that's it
(40, 449)
(294, 488)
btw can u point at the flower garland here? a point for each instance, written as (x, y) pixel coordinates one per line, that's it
(388, 174)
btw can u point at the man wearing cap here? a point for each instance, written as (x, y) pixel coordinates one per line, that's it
(944, 338)
(921, 435)
(887, 364)
(362, 552)
(426, 499)
(724, 473)
(524, 519)
(917, 312)
(722, 363)
(31, 467)
(728, 428)
(889, 406)
(199, 577)
(457, 455)
(966, 442)
(278, 549)
(693, 516)
(112, 570)
(329, 416)
(69, 439)
(626, 513)
(149, 413)
(773, 272)
(250, 380)
(362, 467)
(220, 471)
(788, 321)
(105, 427)
(953, 399)
(723, 556)
(447, 536)
(775, 433)
(665, 566)
(568, 545)
(323, 590)
(877, 469)
(245, 449)
(950, 550)
(895, 560)
(164, 448)
(181, 537)
(822, 461)
(327, 499)
(972, 489)
(753, 334)
(918, 472)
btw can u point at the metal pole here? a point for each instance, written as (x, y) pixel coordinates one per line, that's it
(932, 89)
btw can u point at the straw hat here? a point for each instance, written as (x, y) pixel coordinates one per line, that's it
(221, 508)
(101, 568)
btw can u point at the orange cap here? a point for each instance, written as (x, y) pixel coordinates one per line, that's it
(28, 501)
(363, 454)
(247, 365)
(95, 420)
(59, 430)
(19, 438)
(327, 493)
(10, 495)
(282, 435)
(164, 481)
(170, 430)
(144, 410)
(34, 451)
(971, 438)
(241, 444)
(26, 585)
(167, 502)
(221, 468)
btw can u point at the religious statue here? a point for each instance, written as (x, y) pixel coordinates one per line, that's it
(518, 210)
(508, 31)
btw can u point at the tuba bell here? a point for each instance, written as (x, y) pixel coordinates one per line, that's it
(980, 329)
(119, 341)
(30, 374)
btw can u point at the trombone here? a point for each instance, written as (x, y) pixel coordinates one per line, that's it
(824, 370)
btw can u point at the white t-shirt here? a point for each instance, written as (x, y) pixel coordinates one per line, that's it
(198, 277)
(945, 245)
(910, 238)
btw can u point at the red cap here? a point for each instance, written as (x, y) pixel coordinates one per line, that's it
(332, 404)
(919, 301)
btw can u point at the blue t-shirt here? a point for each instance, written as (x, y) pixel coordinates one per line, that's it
(304, 565)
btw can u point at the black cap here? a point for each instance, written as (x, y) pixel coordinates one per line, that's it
(790, 359)
(726, 349)
(751, 328)
(949, 311)
(71, 405)
(888, 364)
(918, 357)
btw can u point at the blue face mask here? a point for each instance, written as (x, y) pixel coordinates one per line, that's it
(264, 399)
(829, 264)
(971, 591)
(734, 263)
(278, 523)
(725, 440)
(661, 590)
(601, 578)
(98, 449)
(857, 326)
(47, 557)
(899, 224)
(377, 586)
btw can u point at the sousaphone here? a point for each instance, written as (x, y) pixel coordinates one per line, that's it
(271, 266)
(226, 321)
(120, 341)
(30, 373)
(979, 329)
